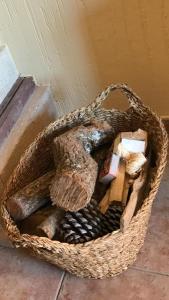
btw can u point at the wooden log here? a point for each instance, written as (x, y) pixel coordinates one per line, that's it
(30, 198)
(96, 134)
(115, 193)
(104, 204)
(29, 225)
(134, 163)
(117, 185)
(76, 173)
(139, 134)
(134, 141)
(133, 201)
(109, 169)
(127, 184)
(51, 224)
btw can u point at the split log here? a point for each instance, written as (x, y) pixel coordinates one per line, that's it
(127, 184)
(115, 193)
(134, 141)
(29, 225)
(104, 204)
(117, 185)
(30, 198)
(51, 224)
(109, 169)
(76, 173)
(133, 201)
(134, 163)
(139, 134)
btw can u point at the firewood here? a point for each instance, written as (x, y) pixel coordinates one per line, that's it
(51, 224)
(134, 141)
(30, 198)
(116, 143)
(76, 171)
(127, 184)
(104, 204)
(117, 185)
(109, 169)
(29, 225)
(115, 193)
(133, 200)
(135, 135)
(134, 163)
(139, 134)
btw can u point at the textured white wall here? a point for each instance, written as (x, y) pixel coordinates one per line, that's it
(80, 46)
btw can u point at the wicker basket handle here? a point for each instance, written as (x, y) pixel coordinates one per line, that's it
(133, 99)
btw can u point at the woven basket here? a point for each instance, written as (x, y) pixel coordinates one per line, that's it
(113, 253)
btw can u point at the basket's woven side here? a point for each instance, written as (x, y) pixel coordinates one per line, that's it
(108, 255)
(104, 257)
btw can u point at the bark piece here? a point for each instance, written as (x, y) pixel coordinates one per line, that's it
(30, 198)
(115, 192)
(104, 204)
(133, 201)
(29, 225)
(51, 224)
(76, 173)
(127, 184)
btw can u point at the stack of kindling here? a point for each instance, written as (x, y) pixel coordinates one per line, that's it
(130, 164)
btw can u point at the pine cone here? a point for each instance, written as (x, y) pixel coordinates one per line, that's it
(89, 223)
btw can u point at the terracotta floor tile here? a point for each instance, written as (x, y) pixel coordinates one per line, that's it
(23, 277)
(155, 253)
(131, 285)
(162, 199)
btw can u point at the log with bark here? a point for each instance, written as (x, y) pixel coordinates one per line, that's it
(51, 225)
(76, 170)
(44, 222)
(30, 198)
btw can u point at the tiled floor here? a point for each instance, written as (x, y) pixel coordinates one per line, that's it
(24, 278)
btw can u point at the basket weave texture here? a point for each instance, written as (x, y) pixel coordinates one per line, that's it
(111, 254)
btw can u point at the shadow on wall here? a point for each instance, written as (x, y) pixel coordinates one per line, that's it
(128, 42)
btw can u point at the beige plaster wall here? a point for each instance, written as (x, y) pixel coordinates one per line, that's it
(80, 46)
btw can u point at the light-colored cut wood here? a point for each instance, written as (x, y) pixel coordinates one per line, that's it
(134, 163)
(115, 192)
(104, 203)
(136, 137)
(127, 183)
(133, 200)
(140, 135)
(116, 188)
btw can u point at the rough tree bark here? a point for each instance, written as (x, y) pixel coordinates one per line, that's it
(30, 198)
(51, 225)
(76, 171)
